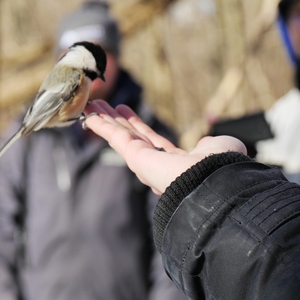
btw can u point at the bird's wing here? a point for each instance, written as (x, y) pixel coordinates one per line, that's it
(51, 97)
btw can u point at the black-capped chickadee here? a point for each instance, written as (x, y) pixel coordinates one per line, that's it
(63, 95)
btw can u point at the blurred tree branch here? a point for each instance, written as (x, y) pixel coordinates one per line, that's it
(136, 15)
(131, 17)
(239, 60)
(183, 52)
(235, 74)
(30, 54)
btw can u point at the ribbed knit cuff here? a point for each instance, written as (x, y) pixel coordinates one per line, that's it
(184, 185)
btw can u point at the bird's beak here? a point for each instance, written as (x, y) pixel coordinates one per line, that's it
(102, 76)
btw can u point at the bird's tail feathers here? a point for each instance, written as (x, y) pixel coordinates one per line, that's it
(15, 137)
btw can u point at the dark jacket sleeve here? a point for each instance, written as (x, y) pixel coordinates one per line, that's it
(228, 228)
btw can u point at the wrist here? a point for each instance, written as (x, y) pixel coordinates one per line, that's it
(184, 184)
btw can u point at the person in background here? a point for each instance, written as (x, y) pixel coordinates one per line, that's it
(227, 227)
(272, 137)
(75, 222)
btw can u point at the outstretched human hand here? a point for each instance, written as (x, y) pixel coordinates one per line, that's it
(138, 144)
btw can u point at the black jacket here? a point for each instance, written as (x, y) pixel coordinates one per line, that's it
(229, 228)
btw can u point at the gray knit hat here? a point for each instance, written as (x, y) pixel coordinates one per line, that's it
(91, 22)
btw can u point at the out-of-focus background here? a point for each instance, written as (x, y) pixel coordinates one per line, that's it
(197, 59)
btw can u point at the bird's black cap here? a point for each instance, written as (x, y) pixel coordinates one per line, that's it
(99, 55)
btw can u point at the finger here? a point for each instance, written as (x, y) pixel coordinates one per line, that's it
(99, 107)
(94, 106)
(126, 111)
(156, 139)
(112, 116)
(219, 144)
(101, 126)
(117, 135)
(108, 113)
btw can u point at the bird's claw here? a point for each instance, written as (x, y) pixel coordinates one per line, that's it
(83, 119)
